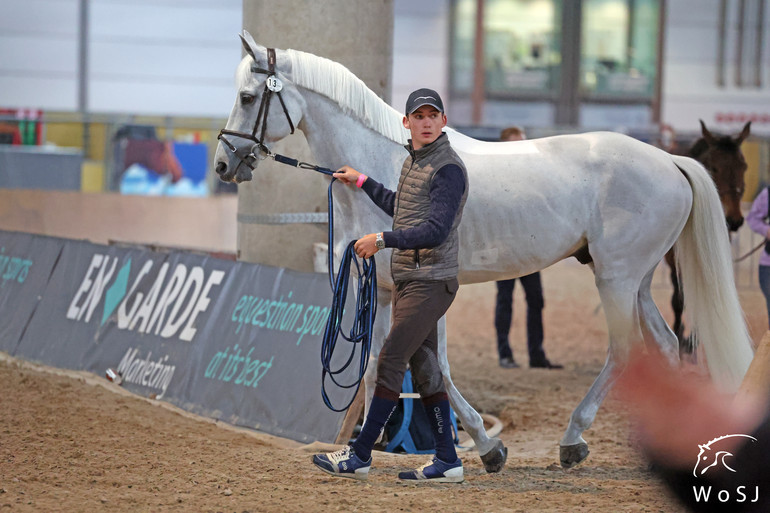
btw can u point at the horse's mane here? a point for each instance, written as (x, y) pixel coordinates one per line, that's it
(337, 83)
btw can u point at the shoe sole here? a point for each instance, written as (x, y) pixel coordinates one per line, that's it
(358, 475)
(449, 477)
(458, 479)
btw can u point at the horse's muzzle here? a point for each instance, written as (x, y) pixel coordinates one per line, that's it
(733, 224)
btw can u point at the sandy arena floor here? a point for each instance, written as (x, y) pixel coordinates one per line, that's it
(74, 442)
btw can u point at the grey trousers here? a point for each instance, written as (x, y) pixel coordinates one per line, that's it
(413, 337)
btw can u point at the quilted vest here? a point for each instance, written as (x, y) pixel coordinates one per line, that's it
(412, 207)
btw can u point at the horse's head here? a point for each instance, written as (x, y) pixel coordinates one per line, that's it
(723, 157)
(268, 107)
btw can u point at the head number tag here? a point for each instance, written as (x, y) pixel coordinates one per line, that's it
(274, 84)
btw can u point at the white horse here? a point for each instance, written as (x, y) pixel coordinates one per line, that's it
(611, 201)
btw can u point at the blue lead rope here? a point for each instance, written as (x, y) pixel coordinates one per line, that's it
(360, 332)
(363, 322)
(366, 302)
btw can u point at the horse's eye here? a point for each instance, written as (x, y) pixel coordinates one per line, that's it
(247, 99)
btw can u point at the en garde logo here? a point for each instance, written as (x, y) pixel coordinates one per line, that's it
(172, 304)
(714, 457)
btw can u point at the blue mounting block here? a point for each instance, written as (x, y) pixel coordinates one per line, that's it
(403, 438)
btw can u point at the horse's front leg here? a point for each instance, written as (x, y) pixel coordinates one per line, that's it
(492, 451)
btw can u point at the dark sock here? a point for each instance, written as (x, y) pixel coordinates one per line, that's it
(383, 404)
(437, 408)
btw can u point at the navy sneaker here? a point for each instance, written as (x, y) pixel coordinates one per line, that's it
(343, 463)
(436, 471)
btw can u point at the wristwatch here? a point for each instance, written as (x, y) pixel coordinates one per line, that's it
(380, 242)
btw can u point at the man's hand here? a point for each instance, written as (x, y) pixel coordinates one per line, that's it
(365, 246)
(347, 175)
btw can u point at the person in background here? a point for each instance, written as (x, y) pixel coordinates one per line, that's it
(533, 291)
(758, 222)
(667, 140)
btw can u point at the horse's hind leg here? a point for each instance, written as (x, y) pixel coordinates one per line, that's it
(492, 451)
(619, 299)
(654, 327)
(677, 300)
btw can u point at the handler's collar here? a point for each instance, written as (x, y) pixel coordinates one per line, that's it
(440, 143)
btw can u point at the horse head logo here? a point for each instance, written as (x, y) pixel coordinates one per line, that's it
(711, 456)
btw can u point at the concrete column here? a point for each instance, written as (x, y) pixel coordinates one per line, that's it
(358, 35)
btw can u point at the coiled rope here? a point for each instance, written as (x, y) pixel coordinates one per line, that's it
(360, 335)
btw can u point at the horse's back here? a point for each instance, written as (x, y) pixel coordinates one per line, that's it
(535, 202)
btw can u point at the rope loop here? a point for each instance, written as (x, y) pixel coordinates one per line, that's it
(360, 334)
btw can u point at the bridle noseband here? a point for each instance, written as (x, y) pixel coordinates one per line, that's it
(273, 85)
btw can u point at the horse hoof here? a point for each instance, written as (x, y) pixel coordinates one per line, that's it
(494, 460)
(571, 455)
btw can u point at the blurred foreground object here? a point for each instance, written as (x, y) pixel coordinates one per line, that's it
(711, 449)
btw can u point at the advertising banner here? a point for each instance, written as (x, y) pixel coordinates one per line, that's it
(233, 341)
(260, 367)
(84, 295)
(26, 263)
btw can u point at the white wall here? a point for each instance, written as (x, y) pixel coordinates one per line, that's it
(420, 49)
(39, 54)
(155, 57)
(690, 89)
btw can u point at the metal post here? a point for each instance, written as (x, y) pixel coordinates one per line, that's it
(658, 93)
(568, 103)
(83, 74)
(477, 98)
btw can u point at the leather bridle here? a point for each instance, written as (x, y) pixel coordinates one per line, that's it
(273, 85)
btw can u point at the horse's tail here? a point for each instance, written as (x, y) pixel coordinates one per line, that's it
(705, 266)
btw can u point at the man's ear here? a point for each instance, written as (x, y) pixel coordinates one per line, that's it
(444, 120)
(405, 121)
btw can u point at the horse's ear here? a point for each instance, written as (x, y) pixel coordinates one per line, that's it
(251, 47)
(744, 134)
(706, 134)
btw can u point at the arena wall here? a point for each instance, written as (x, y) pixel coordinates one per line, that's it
(195, 223)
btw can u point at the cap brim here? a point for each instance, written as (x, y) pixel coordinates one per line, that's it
(423, 105)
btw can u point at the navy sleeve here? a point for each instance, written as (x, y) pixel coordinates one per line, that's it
(381, 196)
(446, 192)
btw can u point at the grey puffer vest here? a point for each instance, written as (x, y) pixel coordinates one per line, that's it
(412, 207)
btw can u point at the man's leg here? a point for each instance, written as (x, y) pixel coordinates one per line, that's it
(533, 292)
(446, 466)
(503, 317)
(429, 382)
(417, 307)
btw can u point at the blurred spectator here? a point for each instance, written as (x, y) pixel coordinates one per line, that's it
(758, 221)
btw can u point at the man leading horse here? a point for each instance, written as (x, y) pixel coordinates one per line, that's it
(426, 209)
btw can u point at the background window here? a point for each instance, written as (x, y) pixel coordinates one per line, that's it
(521, 52)
(464, 32)
(619, 48)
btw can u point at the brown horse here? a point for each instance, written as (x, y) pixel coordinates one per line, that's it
(722, 156)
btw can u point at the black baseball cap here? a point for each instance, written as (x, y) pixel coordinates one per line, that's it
(422, 97)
